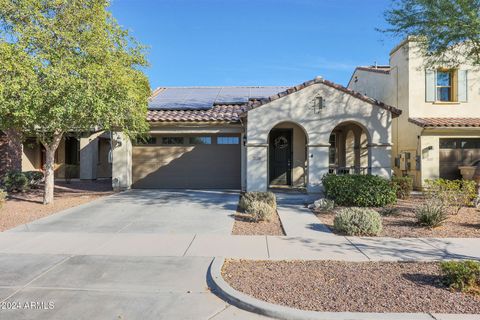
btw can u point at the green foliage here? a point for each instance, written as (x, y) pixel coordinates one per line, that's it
(389, 211)
(447, 32)
(267, 197)
(453, 194)
(462, 275)
(403, 186)
(260, 211)
(3, 196)
(16, 181)
(358, 222)
(431, 214)
(34, 178)
(359, 190)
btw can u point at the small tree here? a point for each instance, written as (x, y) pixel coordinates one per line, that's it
(66, 65)
(446, 31)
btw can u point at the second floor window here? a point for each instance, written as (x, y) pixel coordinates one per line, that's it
(445, 85)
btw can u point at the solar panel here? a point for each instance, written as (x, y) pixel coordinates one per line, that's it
(201, 98)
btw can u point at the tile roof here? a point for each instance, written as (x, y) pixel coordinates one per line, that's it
(445, 122)
(221, 113)
(257, 103)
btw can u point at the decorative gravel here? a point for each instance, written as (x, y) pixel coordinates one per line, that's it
(243, 225)
(25, 207)
(466, 224)
(349, 286)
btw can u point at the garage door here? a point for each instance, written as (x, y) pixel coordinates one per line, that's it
(187, 162)
(455, 152)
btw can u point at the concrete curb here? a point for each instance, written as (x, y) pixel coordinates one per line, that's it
(221, 288)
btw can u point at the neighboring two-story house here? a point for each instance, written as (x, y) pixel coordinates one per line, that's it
(439, 128)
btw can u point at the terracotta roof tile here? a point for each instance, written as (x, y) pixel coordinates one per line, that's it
(257, 103)
(221, 113)
(445, 122)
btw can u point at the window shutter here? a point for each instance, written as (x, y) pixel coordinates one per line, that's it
(430, 85)
(462, 86)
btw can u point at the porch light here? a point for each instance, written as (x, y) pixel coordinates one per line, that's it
(318, 104)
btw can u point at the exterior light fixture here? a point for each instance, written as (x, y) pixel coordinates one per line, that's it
(318, 104)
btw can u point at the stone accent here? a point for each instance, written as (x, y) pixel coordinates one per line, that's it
(10, 154)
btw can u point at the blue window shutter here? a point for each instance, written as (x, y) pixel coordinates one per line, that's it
(462, 86)
(430, 85)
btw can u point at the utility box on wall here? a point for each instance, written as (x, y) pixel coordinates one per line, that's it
(404, 163)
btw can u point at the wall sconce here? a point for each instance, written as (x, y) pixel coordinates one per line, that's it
(245, 140)
(318, 104)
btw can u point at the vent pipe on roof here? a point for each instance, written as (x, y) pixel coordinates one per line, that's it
(318, 78)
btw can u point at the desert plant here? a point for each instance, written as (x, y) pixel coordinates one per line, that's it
(359, 190)
(34, 178)
(3, 196)
(323, 205)
(454, 194)
(358, 222)
(462, 275)
(15, 181)
(266, 197)
(403, 186)
(389, 211)
(260, 211)
(431, 214)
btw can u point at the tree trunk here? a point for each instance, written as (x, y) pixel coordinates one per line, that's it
(50, 149)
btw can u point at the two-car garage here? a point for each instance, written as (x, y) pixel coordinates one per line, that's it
(191, 161)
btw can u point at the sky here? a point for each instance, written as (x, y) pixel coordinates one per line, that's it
(255, 42)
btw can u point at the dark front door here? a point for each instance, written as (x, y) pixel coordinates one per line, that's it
(280, 145)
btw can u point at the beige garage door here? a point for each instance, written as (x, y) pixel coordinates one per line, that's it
(182, 162)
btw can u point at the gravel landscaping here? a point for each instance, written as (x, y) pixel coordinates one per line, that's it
(349, 286)
(244, 225)
(466, 224)
(25, 207)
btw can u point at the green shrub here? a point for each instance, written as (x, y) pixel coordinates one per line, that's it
(454, 194)
(403, 186)
(389, 211)
(260, 211)
(34, 178)
(323, 205)
(431, 214)
(266, 197)
(358, 222)
(3, 196)
(359, 190)
(15, 181)
(462, 275)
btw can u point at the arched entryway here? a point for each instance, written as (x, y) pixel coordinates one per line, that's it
(348, 153)
(287, 156)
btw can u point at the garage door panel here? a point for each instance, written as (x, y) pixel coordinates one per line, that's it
(201, 166)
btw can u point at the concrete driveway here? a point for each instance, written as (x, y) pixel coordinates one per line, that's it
(147, 211)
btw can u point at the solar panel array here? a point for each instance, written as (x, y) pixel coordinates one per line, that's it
(201, 98)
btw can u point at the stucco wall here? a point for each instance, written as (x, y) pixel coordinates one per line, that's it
(296, 107)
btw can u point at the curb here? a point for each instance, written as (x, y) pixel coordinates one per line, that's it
(222, 289)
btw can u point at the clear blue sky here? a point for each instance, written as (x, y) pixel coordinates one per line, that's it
(255, 42)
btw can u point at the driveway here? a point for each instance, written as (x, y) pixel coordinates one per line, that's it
(147, 211)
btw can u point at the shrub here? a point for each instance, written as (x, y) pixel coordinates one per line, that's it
(431, 214)
(34, 178)
(359, 190)
(15, 181)
(3, 196)
(260, 211)
(403, 186)
(454, 194)
(389, 211)
(462, 275)
(323, 205)
(266, 197)
(358, 222)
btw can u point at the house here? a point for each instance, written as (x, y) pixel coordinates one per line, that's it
(439, 128)
(254, 138)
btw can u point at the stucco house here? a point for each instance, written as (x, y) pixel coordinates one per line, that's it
(254, 138)
(439, 128)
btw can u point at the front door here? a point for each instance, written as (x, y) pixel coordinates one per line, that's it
(280, 154)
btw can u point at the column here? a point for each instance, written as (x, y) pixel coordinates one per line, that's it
(380, 159)
(121, 162)
(257, 166)
(317, 166)
(89, 157)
